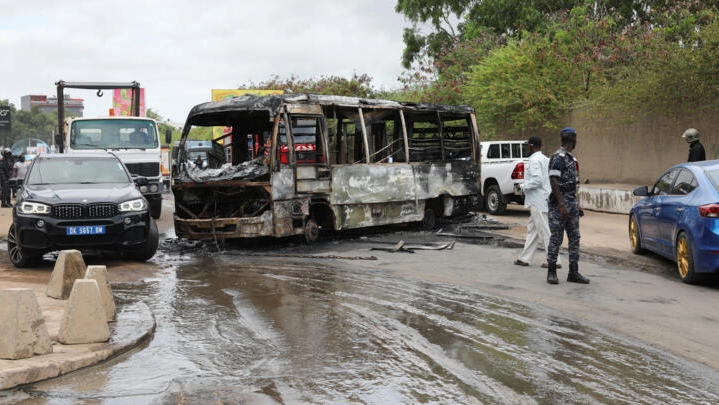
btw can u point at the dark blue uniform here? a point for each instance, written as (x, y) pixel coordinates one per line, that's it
(6, 165)
(563, 167)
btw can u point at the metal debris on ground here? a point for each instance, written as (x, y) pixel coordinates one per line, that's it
(484, 221)
(402, 246)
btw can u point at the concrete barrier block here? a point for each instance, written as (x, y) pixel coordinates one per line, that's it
(99, 274)
(69, 267)
(84, 320)
(23, 332)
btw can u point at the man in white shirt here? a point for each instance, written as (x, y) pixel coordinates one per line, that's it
(536, 192)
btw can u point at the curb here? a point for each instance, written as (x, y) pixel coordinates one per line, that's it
(135, 325)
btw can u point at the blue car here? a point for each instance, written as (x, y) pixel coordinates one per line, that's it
(679, 218)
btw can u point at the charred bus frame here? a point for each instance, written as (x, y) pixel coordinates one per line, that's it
(295, 164)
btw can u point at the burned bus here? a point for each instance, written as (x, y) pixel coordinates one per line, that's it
(299, 164)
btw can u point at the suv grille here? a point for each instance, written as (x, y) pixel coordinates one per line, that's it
(147, 169)
(78, 211)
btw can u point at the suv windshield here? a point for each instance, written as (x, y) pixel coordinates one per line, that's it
(77, 170)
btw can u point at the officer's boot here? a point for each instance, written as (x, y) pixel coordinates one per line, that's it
(574, 276)
(552, 273)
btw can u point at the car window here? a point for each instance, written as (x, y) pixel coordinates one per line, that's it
(493, 151)
(68, 171)
(506, 150)
(516, 150)
(685, 183)
(713, 176)
(663, 186)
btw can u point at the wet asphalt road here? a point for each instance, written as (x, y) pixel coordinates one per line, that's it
(240, 326)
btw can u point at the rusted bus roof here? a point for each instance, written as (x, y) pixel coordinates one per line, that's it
(210, 113)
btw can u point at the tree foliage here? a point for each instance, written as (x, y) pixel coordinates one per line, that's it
(356, 86)
(525, 64)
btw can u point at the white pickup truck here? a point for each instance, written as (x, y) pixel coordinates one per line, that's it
(503, 165)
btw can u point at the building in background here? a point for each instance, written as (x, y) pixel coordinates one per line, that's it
(73, 106)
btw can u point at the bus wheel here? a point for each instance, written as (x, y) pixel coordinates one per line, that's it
(430, 219)
(312, 231)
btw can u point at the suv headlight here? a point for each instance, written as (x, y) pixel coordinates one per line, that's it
(27, 207)
(133, 205)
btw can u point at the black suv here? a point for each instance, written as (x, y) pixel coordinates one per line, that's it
(80, 201)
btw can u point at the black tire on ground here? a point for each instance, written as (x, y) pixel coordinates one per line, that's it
(155, 207)
(312, 231)
(429, 221)
(19, 256)
(145, 252)
(494, 200)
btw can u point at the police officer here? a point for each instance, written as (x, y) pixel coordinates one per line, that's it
(564, 211)
(6, 165)
(696, 149)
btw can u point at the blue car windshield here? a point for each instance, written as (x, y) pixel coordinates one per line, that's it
(74, 171)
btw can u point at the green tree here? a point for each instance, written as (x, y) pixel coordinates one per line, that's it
(356, 86)
(163, 127)
(29, 124)
(521, 86)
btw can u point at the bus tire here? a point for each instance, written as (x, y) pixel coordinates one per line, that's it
(312, 231)
(429, 221)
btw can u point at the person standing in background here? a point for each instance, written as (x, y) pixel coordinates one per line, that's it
(6, 166)
(696, 149)
(19, 169)
(536, 192)
(564, 211)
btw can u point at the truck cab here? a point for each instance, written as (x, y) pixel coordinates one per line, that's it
(135, 140)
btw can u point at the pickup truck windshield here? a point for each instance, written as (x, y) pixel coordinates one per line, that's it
(113, 134)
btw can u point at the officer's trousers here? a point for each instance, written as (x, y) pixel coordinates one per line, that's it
(559, 225)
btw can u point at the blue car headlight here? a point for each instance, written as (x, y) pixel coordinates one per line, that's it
(133, 205)
(27, 207)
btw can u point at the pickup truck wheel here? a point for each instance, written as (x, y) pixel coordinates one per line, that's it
(495, 203)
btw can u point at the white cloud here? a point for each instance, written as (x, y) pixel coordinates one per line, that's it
(180, 50)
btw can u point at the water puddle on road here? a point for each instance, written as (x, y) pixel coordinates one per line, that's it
(247, 329)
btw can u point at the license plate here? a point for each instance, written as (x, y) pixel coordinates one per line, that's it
(85, 230)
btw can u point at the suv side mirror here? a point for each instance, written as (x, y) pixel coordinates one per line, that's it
(168, 136)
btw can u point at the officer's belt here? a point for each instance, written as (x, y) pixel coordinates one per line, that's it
(566, 189)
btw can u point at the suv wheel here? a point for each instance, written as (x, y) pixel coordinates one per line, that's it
(495, 202)
(18, 256)
(148, 250)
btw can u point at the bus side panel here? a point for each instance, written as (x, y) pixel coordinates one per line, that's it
(350, 216)
(377, 194)
(283, 183)
(457, 178)
(373, 183)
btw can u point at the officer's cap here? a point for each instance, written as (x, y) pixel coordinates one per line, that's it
(568, 130)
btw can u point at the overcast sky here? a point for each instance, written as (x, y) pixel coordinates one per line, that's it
(179, 50)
